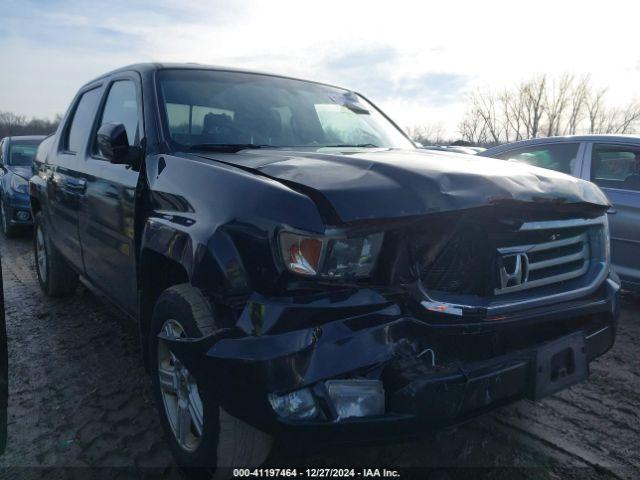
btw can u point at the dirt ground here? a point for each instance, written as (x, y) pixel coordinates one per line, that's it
(79, 398)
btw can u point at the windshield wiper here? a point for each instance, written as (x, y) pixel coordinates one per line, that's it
(228, 147)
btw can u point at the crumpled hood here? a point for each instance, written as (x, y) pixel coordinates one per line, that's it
(21, 171)
(395, 183)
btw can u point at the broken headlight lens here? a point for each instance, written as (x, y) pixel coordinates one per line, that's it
(299, 405)
(333, 257)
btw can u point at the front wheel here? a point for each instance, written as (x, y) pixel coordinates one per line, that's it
(203, 437)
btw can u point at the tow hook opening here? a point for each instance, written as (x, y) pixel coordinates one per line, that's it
(562, 364)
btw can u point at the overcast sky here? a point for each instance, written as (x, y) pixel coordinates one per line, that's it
(414, 59)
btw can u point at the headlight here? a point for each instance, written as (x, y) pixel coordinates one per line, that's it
(356, 398)
(19, 184)
(299, 405)
(333, 257)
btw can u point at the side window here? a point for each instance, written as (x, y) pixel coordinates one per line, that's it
(122, 107)
(559, 156)
(614, 166)
(82, 120)
(1, 152)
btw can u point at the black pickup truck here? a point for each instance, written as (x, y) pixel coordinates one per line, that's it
(298, 269)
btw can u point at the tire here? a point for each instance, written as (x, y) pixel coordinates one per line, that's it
(55, 276)
(9, 231)
(224, 441)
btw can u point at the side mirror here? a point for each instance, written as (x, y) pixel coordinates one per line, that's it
(113, 144)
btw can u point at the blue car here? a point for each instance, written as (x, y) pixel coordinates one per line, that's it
(16, 154)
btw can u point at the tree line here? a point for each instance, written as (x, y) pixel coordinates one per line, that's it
(545, 106)
(12, 124)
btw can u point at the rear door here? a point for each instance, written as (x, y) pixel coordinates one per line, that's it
(615, 168)
(107, 216)
(65, 181)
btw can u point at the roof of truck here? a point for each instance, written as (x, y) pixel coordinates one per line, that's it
(153, 66)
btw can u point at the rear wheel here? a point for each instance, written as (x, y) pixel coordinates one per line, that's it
(9, 230)
(203, 437)
(55, 276)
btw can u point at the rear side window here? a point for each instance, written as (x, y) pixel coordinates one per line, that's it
(82, 120)
(122, 107)
(559, 156)
(614, 166)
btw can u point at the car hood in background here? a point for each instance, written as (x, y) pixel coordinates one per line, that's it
(377, 184)
(21, 171)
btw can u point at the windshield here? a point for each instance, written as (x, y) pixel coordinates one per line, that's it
(207, 107)
(21, 152)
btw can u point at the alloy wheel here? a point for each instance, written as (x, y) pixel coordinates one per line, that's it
(180, 394)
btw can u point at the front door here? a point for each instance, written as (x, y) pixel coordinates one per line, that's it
(107, 217)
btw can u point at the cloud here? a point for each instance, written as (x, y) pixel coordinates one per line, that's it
(413, 59)
(359, 59)
(435, 88)
(373, 72)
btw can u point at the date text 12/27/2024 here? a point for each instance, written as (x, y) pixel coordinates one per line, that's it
(316, 472)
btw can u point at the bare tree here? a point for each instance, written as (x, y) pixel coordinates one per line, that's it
(557, 98)
(532, 94)
(626, 118)
(427, 134)
(579, 94)
(12, 124)
(513, 115)
(545, 106)
(9, 122)
(485, 106)
(596, 110)
(473, 129)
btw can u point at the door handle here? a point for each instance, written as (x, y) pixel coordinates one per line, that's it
(76, 187)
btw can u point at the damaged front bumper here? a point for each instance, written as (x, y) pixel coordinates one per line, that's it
(433, 373)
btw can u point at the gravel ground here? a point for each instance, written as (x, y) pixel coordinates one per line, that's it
(79, 398)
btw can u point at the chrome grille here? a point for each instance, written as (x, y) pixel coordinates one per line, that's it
(524, 267)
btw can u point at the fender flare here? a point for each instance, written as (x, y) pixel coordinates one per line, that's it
(213, 264)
